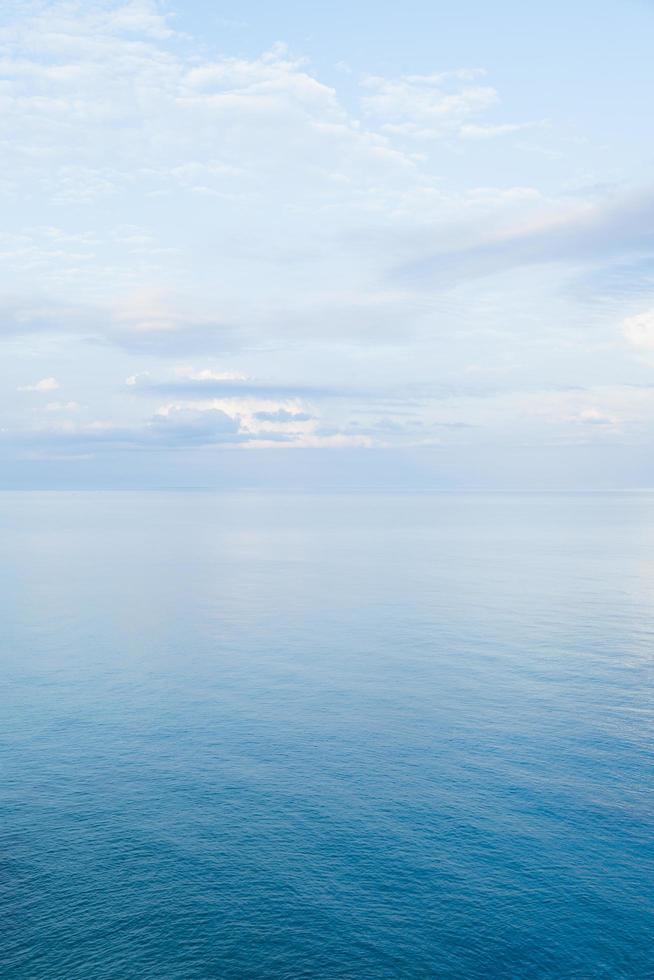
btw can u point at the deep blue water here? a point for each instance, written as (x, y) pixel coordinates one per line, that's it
(326, 736)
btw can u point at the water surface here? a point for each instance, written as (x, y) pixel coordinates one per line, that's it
(326, 736)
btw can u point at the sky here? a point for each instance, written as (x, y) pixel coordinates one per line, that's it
(327, 245)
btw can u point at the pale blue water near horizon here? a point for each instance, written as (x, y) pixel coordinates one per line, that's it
(294, 736)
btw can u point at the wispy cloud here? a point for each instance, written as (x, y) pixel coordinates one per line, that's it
(203, 388)
(575, 232)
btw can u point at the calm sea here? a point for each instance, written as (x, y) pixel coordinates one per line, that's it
(326, 736)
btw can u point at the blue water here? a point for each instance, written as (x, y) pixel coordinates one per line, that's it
(326, 736)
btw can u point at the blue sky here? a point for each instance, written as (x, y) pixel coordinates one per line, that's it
(344, 244)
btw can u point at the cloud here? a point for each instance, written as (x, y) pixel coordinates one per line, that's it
(594, 416)
(476, 131)
(202, 388)
(45, 384)
(187, 427)
(62, 407)
(386, 249)
(336, 440)
(208, 374)
(639, 330)
(282, 415)
(426, 106)
(175, 427)
(140, 17)
(576, 231)
(237, 188)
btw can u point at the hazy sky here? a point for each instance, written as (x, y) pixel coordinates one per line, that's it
(341, 244)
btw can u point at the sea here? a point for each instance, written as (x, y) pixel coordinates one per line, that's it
(339, 735)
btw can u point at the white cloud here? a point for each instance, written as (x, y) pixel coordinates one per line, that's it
(208, 374)
(475, 131)
(639, 330)
(140, 17)
(134, 379)
(341, 440)
(148, 311)
(62, 407)
(256, 416)
(271, 193)
(45, 384)
(425, 106)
